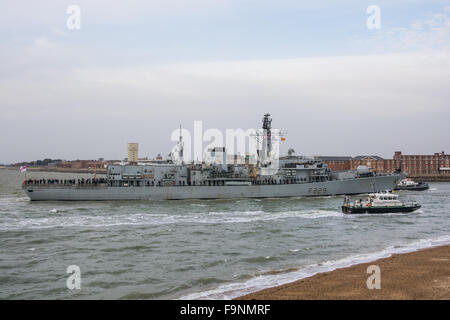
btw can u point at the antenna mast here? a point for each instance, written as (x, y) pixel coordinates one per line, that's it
(180, 144)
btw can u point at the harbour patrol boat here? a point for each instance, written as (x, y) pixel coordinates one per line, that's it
(292, 176)
(408, 184)
(382, 202)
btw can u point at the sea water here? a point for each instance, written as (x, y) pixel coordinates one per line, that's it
(194, 249)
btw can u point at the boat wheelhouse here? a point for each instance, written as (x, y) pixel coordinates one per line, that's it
(382, 202)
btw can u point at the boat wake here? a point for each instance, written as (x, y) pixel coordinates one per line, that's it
(67, 219)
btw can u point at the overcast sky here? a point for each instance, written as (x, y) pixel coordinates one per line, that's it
(136, 70)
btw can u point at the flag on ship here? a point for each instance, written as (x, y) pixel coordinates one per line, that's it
(23, 168)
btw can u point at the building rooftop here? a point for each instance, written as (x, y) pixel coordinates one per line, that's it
(369, 156)
(333, 158)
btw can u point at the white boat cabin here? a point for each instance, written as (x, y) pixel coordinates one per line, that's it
(407, 183)
(382, 199)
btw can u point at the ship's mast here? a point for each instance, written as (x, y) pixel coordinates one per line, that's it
(266, 139)
(267, 135)
(180, 147)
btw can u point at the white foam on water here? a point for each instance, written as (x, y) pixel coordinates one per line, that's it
(233, 290)
(6, 200)
(316, 214)
(251, 216)
(380, 215)
(159, 219)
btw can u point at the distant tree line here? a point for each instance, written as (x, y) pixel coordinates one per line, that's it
(39, 163)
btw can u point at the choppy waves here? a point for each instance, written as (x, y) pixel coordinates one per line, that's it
(196, 249)
(280, 277)
(60, 218)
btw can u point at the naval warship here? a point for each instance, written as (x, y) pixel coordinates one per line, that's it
(292, 176)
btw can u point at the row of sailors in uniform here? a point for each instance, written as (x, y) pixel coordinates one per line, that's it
(81, 181)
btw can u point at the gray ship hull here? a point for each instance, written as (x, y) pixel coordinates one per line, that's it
(335, 187)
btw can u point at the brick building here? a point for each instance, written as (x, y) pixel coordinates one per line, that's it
(337, 163)
(83, 164)
(375, 163)
(414, 165)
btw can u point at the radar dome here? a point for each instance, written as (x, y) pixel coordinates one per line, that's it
(362, 169)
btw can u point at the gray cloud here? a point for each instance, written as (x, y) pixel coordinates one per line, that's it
(328, 105)
(67, 100)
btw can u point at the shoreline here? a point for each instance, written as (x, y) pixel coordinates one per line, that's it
(422, 274)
